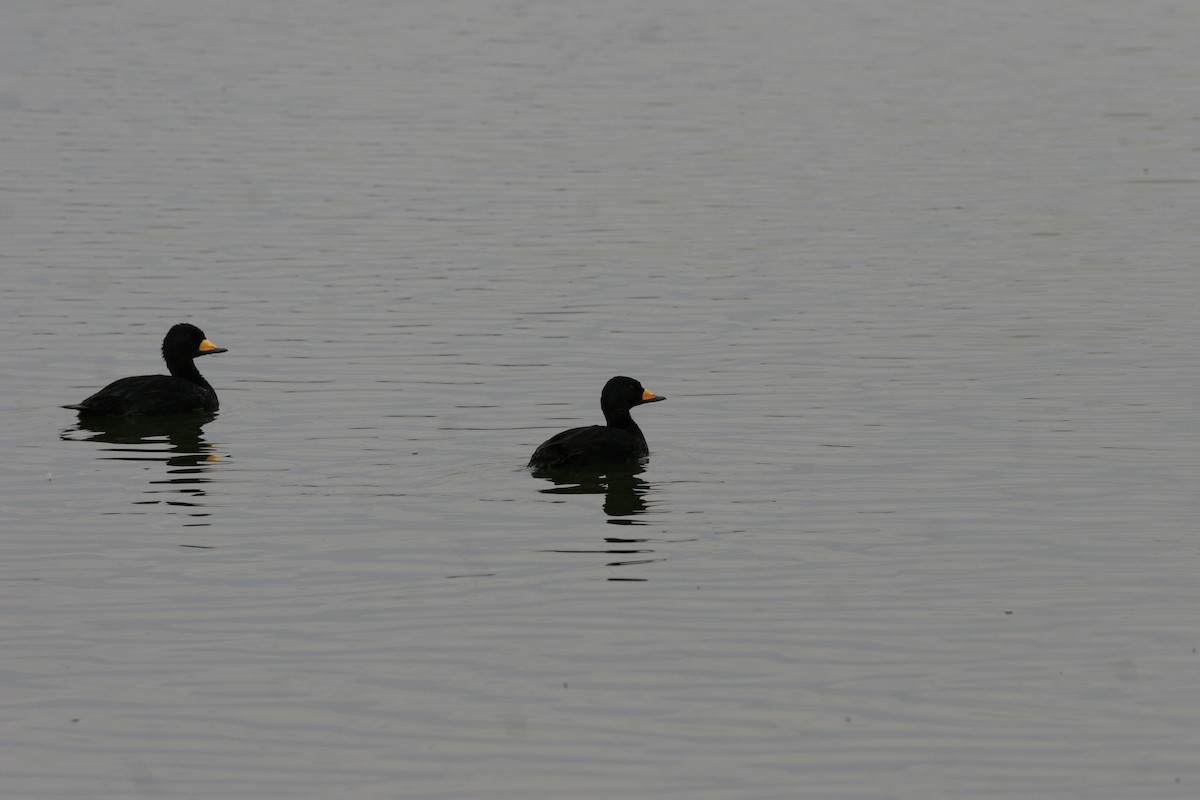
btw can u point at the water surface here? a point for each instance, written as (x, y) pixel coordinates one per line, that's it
(918, 281)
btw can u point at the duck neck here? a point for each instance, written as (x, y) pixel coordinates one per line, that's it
(622, 420)
(186, 369)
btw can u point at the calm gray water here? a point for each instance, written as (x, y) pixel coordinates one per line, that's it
(919, 281)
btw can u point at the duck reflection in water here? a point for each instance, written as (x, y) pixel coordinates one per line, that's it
(176, 440)
(625, 497)
(624, 492)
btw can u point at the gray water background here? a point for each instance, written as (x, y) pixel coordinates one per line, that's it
(918, 279)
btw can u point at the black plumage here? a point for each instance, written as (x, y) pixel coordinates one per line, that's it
(183, 391)
(619, 439)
